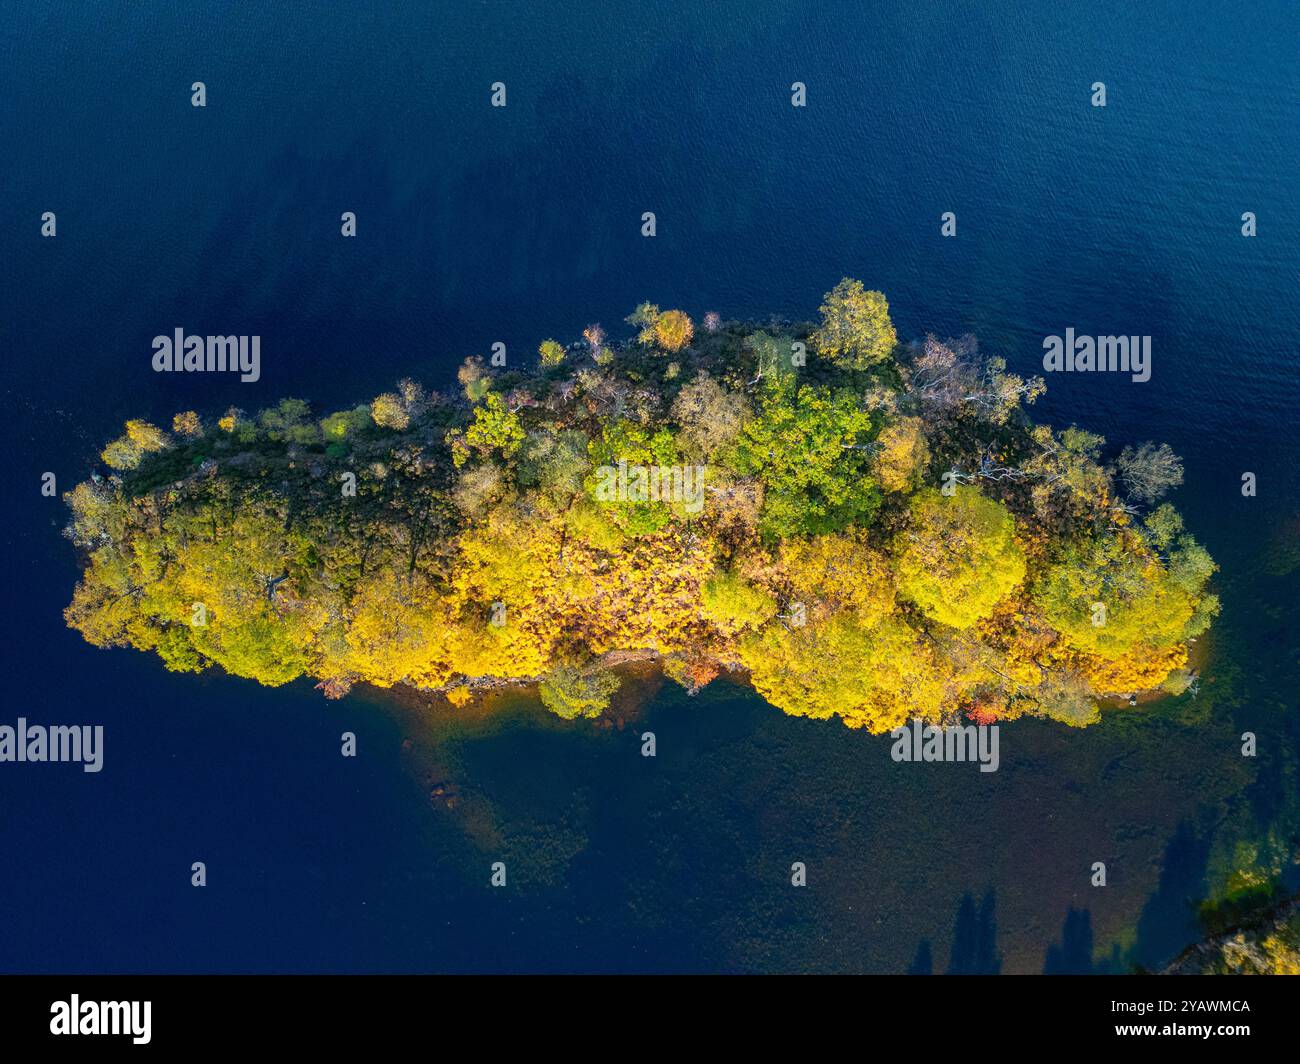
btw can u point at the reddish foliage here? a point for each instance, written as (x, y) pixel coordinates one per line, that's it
(700, 673)
(983, 713)
(335, 687)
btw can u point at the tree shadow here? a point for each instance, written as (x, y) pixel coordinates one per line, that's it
(974, 946)
(1169, 921)
(923, 962)
(1073, 956)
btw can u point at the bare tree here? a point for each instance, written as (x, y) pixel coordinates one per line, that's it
(948, 375)
(1150, 471)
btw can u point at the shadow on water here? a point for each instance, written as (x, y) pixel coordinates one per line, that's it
(1073, 955)
(923, 962)
(974, 946)
(1168, 920)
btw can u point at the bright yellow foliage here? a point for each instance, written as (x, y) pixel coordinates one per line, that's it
(673, 330)
(903, 454)
(959, 558)
(467, 546)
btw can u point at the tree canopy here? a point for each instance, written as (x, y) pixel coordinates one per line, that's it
(855, 331)
(875, 534)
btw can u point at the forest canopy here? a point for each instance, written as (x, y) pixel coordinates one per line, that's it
(858, 527)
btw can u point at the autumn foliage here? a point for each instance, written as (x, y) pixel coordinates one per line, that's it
(882, 532)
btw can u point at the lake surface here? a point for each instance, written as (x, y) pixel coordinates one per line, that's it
(478, 224)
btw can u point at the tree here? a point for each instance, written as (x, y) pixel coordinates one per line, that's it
(807, 446)
(552, 353)
(733, 604)
(343, 424)
(709, 415)
(1162, 526)
(1150, 472)
(1113, 602)
(288, 421)
(773, 357)
(959, 558)
(951, 378)
(554, 462)
(1066, 696)
(570, 692)
(872, 676)
(495, 427)
(624, 442)
(838, 574)
(855, 331)
(903, 454)
(479, 488)
(1071, 490)
(396, 410)
(643, 319)
(474, 378)
(395, 633)
(188, 425)
(673, 330)
(389, 412)
(413, 396)
(129, 449)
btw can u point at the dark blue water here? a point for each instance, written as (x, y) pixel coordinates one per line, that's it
(479, 224)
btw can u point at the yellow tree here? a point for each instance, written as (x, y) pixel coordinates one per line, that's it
(552, 353)
(838, 573)
(673, 330)
(732, 603)
(903, 454)
(855, 331)
(959, 557)
(872, 676)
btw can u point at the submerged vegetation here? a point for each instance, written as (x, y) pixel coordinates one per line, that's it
(860, 527)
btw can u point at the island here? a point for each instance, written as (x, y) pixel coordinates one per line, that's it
(857, 527)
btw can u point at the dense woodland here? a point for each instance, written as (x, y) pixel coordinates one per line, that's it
(884, 533)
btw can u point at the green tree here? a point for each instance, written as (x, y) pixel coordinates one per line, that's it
(288, 421)
(343, 424)
(855, 331)
(1141, 605)
(640, 449)
(570, 692)
(808, 447)
(552, 353)
(495, 427)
